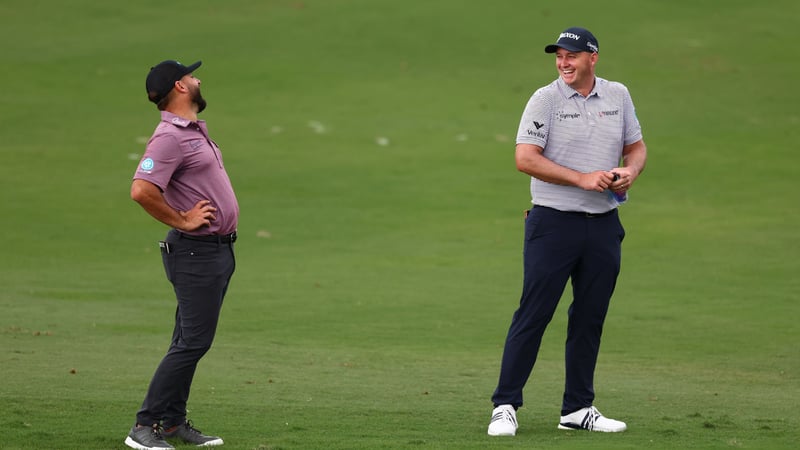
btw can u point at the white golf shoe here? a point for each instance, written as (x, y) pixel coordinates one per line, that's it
(504, 421)
(590, 419)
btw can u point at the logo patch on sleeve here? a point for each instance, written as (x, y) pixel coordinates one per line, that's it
(147, 165)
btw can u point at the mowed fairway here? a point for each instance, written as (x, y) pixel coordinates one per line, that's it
(379, 262)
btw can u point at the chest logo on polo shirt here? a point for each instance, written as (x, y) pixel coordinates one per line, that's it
(562, 115)
(147, 165)
(608, 113)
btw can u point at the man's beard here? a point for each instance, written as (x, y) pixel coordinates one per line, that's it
(198, 100)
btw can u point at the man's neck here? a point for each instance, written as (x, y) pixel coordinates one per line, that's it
(585, 91)
(188, 112)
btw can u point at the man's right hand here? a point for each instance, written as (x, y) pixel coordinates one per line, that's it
(597, 181)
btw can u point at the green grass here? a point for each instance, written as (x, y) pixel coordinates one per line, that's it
(373, 315)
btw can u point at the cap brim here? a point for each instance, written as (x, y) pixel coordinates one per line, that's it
(552, 48)
(193, 67)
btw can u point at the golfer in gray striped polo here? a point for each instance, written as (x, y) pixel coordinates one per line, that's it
(580, 141)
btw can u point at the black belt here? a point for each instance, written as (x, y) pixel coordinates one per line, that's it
(580, 213)
(218, 238)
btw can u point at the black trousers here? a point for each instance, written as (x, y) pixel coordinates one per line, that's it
(559, 246)
(199, 272)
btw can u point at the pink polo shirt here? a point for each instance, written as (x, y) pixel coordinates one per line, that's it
(187, 166)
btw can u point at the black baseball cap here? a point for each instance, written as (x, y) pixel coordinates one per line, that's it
(162, 78)
(575, 39)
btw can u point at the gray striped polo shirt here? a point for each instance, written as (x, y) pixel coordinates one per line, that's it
(583, 134)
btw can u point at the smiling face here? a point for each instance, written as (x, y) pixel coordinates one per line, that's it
(576, 69)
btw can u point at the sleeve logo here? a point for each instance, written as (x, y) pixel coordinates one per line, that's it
(147, 165)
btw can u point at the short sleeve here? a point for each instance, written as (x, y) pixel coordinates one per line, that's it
(633, 130)
(160, 160)
(534, 126)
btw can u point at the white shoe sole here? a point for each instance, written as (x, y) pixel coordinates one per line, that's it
(133, 444)
(502, 434)
(576, 427)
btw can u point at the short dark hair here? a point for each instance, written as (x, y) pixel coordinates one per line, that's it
(164, 102)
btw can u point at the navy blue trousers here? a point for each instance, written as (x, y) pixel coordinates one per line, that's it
(199, 273)
(561, 246)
